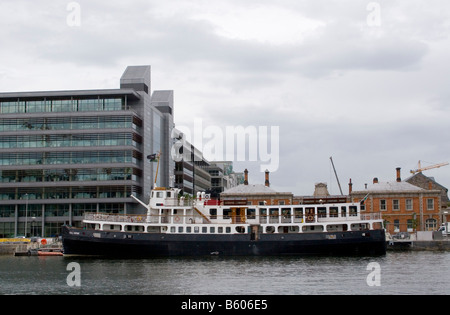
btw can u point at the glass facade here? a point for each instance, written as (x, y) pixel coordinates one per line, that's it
(65, 153)
(62, 105)
(69, 174)
(56, 168)
(70, 123)
(61, 158)
(69, 140)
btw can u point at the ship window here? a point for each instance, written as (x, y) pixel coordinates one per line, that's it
(333, 212)
(263, 215)
(286, 215)
(196, 229)
(159, 194)
(286, 212)
(358, 227)
(188, 229)
(180, 229)
(213, 213)
(212, 229)
(322, 212)
(226, 213)
(240, 229)
(172, 229)
(337, 228)
(270, 229)
(169, 194)
(312, 228)
(251, 214)
(204, 229)
(343, 211)
(273, 215)
(228, 229)
(220, 229)
(353, 211)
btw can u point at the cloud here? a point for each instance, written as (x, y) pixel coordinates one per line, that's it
(373, 97)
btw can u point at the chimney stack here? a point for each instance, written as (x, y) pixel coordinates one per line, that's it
(267, 183)
(399, 179)
(246, 177)
(375, 180)
(350, 187)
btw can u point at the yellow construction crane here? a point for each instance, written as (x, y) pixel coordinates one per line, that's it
(421, 169)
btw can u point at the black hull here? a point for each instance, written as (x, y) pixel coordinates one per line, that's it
(123, 244)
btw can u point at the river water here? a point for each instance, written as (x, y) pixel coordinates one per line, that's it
(397, 273)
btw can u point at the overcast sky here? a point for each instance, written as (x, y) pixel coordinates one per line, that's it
(366, 82)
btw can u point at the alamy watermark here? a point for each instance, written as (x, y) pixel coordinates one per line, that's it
(374, 277)
(231, 143)
(74, 277)
(74, 17)
(374, 17)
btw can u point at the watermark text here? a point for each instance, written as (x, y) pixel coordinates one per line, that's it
(74, 277)
(231, 143)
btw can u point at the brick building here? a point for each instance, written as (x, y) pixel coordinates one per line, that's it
(425, 182)
(404, 207)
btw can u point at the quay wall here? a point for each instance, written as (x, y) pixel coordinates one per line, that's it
(431, 245)
(421, 241)
(10, 246)
(420, 246)
(10, 249)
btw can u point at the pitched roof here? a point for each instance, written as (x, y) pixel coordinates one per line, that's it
(249, 189)
(421, 177)
(393, 186)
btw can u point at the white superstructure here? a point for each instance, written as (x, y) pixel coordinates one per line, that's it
(167, 213)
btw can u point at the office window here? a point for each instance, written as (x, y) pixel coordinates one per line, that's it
(395, 205)
(383, 205)
(410, 224)
(430, 204)
(396, 225)
(409, 205)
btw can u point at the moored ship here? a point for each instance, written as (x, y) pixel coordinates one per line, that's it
(174, 226)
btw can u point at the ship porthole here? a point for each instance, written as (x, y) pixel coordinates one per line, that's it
(270, 229)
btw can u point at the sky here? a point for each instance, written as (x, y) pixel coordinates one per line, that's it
(365, 82)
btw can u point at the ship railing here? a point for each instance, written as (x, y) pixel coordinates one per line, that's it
(106, 217)
(262, 219)
(371, 216)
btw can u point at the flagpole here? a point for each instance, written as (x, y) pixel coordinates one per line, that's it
(157, 168)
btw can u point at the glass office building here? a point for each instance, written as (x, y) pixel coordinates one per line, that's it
(64, 153)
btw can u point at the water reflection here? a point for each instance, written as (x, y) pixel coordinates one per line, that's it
(401, 273)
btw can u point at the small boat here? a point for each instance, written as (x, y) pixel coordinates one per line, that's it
(50, 252)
